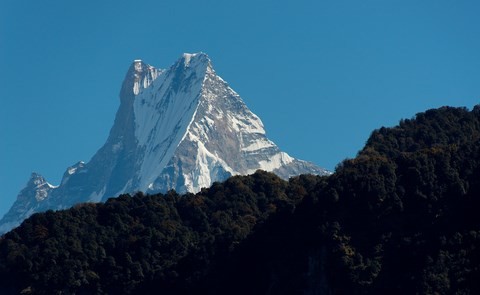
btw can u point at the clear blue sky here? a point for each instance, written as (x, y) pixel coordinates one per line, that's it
(320, 74)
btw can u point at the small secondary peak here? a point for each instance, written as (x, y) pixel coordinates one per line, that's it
(73, 169)
(138, 65)
(36, 177)
(139, 76)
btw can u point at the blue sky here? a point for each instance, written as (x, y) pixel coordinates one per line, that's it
(320, 74)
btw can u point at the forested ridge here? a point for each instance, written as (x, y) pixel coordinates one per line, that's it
(400, 218)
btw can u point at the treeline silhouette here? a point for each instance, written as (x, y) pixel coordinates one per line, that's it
(400, 218)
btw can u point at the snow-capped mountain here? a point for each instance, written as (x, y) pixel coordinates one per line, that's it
(182, 128)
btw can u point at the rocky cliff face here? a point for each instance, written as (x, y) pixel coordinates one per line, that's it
(181, 128)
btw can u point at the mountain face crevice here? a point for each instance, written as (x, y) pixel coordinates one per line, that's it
(182, 128)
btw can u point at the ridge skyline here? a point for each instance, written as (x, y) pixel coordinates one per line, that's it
(321, 81)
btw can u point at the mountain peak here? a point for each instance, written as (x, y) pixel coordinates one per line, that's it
(182, 128)
(195, 59)
(192, 63)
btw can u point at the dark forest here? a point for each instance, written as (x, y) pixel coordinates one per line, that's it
(399, 218)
